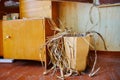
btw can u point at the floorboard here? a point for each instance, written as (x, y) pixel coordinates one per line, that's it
(33, 70)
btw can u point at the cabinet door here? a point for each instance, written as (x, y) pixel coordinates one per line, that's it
(23, 39)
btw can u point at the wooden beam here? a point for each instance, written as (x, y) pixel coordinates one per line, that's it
(91, 1)
(109, 1)
(87, 1)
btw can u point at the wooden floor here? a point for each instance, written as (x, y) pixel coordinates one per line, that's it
(33, 70)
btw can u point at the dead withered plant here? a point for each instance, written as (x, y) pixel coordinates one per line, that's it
(56, 48)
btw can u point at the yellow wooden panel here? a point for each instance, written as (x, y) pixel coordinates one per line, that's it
(82, 49)
(77, 51)
(22, 39)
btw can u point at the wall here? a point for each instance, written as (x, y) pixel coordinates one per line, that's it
(105, 21)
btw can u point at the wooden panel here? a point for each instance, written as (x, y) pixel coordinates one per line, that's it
(55, 11)
(77, 51)
(1, 42)
(35, 9)
(109, 1)
(76, 15)
(90, 1)
(25, 40)
(38, 9)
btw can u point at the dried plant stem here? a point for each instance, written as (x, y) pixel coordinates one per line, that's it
(46, 72)
(90, 32)
(69, 74)
(92, 73)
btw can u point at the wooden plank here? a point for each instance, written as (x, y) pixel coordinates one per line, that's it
(1, 41)
(90, 1)
(109, 1)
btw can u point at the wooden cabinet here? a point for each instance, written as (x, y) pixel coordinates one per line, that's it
(24, 39)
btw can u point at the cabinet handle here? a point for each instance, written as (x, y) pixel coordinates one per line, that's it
(7, 37)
